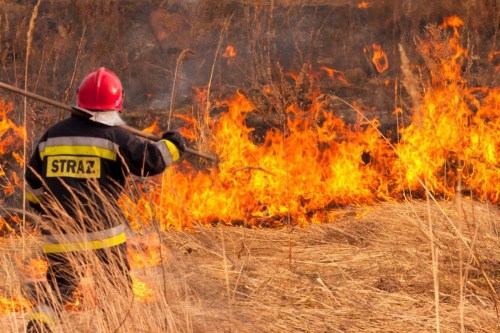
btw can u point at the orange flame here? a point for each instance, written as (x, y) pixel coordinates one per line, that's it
(36, 270)
(292, 75)
(14, 304)
(491, 55)
(144, 253)
(454, 22)
(84, 294)
(189, 130)
(8, 189)
(142, 292)
(4, 223)
(379, 58)
(363, 5)
(335, 75)
(154, 128)
(229, 52)
(325, 160)
(262, 195)
(11, 139)
(9, 142)
(19, 159)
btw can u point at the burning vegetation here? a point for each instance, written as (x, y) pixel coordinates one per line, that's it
(298, 162)
(314, 161)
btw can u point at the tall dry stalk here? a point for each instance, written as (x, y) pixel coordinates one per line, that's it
(72, 81)
(411, 87)
(460, 221)
(177, 75)
(226, 272)
(289, 219)
(460, 246)
(223, 31)
(29, 39)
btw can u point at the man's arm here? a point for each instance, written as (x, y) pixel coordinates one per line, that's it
(144, 158)
(33, 177)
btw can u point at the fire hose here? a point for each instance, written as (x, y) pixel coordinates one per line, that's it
(89, 114)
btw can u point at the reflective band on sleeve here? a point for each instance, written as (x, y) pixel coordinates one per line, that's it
(33, 199)
(165, 152)
(85, 237)
(34, 195)
(36, 192)
(78, 145)
(173, 150)
(43, 318)
(84, 246)
(44, 314)
(44, 309)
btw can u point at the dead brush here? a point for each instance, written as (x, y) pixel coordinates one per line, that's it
(434, 47)
(103, 302)
(366, 273)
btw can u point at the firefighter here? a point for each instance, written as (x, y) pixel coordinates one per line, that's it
(78, 169)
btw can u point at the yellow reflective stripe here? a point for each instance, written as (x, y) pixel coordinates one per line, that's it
(44, 318)
(86, 236)
(35, 191)
(83, 246)
(174, 152)
(78, 150)
(34, 199)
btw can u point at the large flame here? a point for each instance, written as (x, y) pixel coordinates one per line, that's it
(314, 161)
(316, 166)
(11, 140)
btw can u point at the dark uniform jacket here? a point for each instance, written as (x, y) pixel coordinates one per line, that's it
(81, 164)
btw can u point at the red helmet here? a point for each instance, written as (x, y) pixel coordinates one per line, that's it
(101, 90)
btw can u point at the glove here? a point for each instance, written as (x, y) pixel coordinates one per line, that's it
(176, 138)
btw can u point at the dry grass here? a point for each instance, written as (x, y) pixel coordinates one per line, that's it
(360, 274)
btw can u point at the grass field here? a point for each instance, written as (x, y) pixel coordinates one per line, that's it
(368, 271)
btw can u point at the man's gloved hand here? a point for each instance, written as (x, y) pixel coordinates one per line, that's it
(176, 138)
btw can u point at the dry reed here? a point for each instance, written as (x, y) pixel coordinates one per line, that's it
(360, 274)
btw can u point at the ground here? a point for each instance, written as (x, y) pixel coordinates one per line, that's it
(370, 270)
